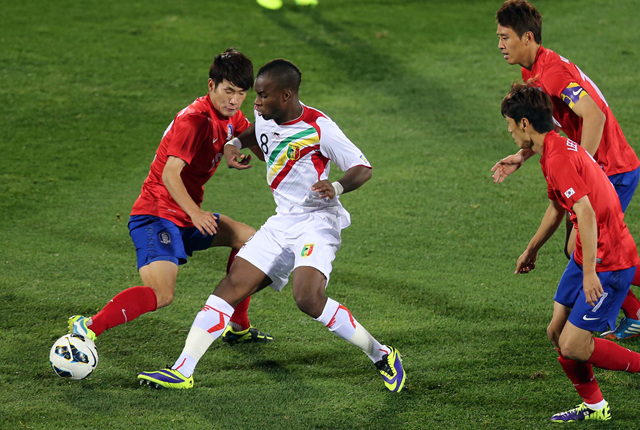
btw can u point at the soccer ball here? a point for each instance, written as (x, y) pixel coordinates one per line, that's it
(73, 357)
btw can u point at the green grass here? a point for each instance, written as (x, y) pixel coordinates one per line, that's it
(87, 90)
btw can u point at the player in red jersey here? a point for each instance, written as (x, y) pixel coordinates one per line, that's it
(167, 223)
(580, 111)
(600, 271)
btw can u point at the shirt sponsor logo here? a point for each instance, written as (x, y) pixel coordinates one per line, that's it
(569, 193)
(572, 146)
(307, 249)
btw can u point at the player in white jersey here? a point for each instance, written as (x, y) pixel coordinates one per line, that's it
(303, 237)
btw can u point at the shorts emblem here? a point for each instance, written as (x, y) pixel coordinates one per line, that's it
(165, 237)
(307, 249)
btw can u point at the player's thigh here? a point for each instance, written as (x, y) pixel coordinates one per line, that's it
(267, 250)
(317, 246)
(232, 233)
(243, 280)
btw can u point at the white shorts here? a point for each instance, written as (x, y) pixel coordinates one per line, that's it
(285, 242)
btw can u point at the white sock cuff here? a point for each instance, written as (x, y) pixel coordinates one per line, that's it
(220, 305)
(330, 309)
(597, 406)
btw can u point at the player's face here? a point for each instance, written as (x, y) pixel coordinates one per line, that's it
(520, 136)
(513, 48)
(226, 97)
(269, 100)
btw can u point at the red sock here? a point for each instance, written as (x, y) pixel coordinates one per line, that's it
(636, 277)
(239, 316)
(125, 306)
(611, 356)
(631, 305)
(581, 374)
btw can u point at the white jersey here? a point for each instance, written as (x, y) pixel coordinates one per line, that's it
(297, 154)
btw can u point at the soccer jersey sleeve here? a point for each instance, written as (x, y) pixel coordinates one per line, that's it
(241, 123)
(185, 136)
(337, 147)
(565, 183)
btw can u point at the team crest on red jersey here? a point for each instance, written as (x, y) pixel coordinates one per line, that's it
(307, 250)
(229, 131)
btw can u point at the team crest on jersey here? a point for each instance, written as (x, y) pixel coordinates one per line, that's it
(165, 237)
(307, 249)
(293, 152)
(229, 131)
(569, 193)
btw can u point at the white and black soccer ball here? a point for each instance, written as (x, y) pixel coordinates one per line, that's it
(73, 356)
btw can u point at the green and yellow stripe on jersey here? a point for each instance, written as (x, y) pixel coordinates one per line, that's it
(290, 151)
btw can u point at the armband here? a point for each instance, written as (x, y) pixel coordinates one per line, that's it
(338, 187)
(235, 142)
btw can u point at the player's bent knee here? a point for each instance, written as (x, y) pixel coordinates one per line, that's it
(312, 306)
(164, 298)
(554, 337)
(573, 351)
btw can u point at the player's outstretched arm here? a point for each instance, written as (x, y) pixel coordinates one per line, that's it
(232, 155)
(352, 179)
(510, 164)
(550, 222)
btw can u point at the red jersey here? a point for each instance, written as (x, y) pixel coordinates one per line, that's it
(197, 136)
(571, 173)
(566, 84)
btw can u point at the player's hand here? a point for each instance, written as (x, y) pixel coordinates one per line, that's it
(324, 189)
(506, 166)
(236, 159)
(205, 222)
(526, 263)
(592, 288)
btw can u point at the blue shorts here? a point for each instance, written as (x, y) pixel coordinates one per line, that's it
(625, 185)
(593, 318)
(158, 239)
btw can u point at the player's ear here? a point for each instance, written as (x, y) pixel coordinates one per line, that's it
(286, 95)
(528, 37)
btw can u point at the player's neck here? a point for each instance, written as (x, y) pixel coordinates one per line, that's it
(294, 113)
(530, 58)
(538, 142)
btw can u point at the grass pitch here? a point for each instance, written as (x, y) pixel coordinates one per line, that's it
(87, 90)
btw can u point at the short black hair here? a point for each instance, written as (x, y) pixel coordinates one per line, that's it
(233, 66)
(521, 16)
(284, 72)
(525, 101)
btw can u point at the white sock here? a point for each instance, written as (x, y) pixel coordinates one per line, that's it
(207, 327)
(596, 406)
(338, 319)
